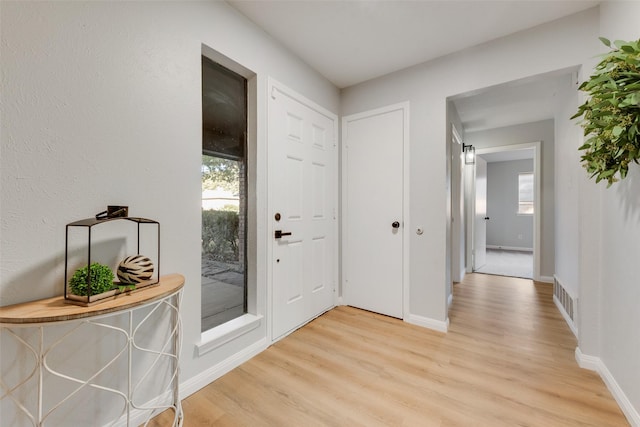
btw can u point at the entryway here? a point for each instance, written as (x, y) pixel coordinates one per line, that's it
(302, 203)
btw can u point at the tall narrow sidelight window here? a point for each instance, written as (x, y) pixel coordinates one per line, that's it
(224, 200)
(525, 193)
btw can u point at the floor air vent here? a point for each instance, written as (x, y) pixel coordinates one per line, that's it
(567, 304)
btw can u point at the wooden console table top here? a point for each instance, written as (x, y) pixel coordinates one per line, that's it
(57, 310)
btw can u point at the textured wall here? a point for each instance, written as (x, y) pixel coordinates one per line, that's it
(101, 104)
(619, 290)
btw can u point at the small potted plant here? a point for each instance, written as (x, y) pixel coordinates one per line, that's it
(99, 278)
(611, 115)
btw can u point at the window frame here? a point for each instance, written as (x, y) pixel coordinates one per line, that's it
(243, 158)
(526, 207)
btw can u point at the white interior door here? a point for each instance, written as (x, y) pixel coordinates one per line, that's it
(303, 193)
(373, 210)
(480, 221)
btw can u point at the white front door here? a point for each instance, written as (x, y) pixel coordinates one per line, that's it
(302, 182)
(373, 204)
(480, 221)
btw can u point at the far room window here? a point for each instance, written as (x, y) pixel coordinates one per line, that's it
(525, 193)
(224, 194)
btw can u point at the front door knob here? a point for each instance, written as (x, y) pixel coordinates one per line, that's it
(395, 224)
(280, 233)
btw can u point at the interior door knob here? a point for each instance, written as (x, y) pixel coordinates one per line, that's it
(486, 217)
(395, 224)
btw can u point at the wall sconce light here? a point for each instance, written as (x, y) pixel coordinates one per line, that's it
(469, 154)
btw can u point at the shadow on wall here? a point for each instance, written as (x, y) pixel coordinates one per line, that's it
(46, 279)
(627, 189)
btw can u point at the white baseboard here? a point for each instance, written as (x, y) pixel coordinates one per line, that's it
(450, 300)
(567, 319)
(425, 322)
(510, 248)
(190, 386)
(596, 364)
(546, 279)
(587, 362)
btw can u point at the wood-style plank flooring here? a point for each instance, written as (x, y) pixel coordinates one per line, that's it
(507, 360)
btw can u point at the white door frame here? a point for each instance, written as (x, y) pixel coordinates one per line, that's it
(273, 87)
(406, 225)
(537, 214)
(455, 244)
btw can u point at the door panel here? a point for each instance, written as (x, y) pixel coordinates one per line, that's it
(373, 250)
(303, 191)
(480, 225)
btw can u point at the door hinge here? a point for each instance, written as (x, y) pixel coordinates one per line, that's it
(273, 92)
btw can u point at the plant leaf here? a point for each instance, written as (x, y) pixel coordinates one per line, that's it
(617, 130)
(605, 41)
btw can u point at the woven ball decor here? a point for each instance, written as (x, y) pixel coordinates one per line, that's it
(135, 269)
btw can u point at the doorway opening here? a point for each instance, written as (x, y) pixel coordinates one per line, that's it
(504, 209)
(504, 221)
(508, 117)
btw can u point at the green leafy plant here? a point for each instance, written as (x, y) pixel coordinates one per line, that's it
(126, 287)
(611, 115)
(101, 279)
(220, 239)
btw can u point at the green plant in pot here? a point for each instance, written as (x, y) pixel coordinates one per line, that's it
(611, 115)
(101, 279)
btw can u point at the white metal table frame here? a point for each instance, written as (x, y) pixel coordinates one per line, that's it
(171, 347)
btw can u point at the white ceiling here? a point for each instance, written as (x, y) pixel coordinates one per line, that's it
(351, 41)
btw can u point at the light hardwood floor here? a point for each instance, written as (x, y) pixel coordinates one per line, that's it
(507, 360)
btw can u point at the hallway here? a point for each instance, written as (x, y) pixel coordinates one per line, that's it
(508, 359)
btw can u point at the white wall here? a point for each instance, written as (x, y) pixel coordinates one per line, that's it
(620, 236)
(530, 132)
(568, 173)
(101, 104)
(97, 96)
(506, 228)
(557, 45)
